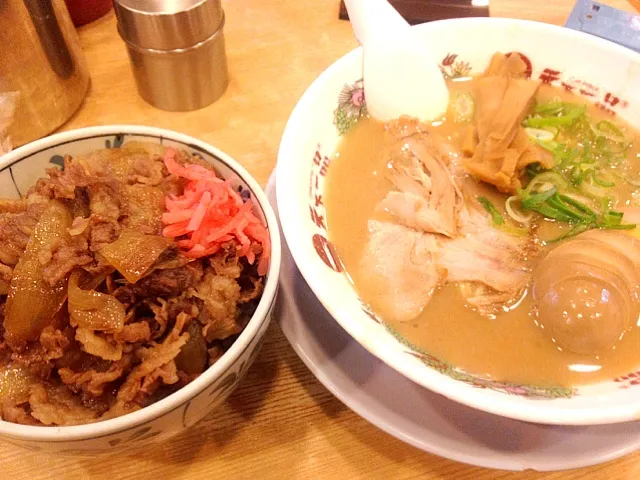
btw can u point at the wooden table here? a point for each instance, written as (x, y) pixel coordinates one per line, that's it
(281, 422)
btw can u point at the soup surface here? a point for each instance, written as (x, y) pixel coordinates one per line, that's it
(505, 346)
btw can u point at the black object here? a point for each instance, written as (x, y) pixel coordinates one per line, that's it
(420, 11)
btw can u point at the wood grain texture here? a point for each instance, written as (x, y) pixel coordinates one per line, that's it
(281, 423)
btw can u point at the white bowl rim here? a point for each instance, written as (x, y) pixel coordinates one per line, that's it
(535, 412)
(132, 420)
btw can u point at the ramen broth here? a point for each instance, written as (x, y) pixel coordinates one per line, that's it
(508, 346)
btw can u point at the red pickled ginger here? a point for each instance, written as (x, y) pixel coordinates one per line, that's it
(209, 213)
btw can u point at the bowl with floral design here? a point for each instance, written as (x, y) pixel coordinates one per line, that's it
(176, 412)
(600, 71)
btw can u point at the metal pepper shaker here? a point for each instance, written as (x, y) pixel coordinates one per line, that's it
(176, 49)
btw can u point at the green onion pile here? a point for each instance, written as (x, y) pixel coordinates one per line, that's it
(553, 204)
(585, 154)
(586, 157)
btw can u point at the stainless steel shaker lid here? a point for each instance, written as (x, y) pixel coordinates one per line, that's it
(167, 24)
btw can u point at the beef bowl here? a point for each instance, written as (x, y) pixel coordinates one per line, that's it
(139, 273)
(490, 255)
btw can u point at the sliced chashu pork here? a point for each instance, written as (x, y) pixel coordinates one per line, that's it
(427, 197)
(489, 264)
(434, 238)
(400, 274)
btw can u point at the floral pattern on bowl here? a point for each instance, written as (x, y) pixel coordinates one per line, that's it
(19, 170)
(554, 55)
(451, 68)
(351, 106)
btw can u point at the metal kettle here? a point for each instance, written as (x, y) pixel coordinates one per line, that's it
(41, 59)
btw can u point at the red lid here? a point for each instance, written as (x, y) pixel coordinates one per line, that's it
(85, 11)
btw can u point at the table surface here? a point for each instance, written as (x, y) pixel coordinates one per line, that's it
(281, 422)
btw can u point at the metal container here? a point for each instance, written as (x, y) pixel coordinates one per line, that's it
(41, 59)
(176, 49)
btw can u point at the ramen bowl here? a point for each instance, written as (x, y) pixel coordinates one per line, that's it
(600, 71)
(19, 170)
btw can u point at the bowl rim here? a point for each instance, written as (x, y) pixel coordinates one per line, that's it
(459, 392)
(129, 421)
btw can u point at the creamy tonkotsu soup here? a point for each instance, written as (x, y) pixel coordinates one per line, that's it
(501, 238)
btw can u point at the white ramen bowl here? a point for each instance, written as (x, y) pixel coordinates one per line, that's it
(601, 71)
(19, 170)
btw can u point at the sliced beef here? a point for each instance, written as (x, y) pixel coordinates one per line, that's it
(17, 221)
(94, 382)
(219, 296)
(162, 283)
(175, 319)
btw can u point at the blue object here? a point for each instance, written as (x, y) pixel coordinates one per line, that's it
(606, 22)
